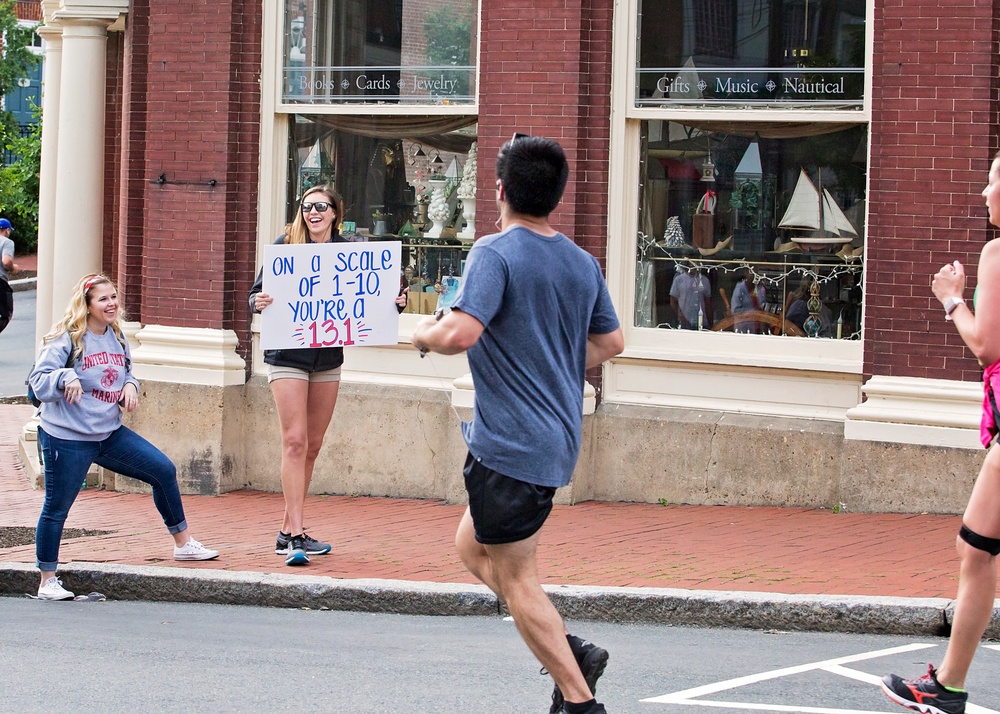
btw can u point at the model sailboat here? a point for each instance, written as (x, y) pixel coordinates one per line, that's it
(815, 212)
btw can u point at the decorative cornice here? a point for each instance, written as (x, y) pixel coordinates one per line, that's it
(188, 355)
(50, 32)
(107, 11)
(930, 412)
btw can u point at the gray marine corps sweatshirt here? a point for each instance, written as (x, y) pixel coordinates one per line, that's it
(102, 371)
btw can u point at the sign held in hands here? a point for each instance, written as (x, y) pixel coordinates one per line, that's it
(331, 295)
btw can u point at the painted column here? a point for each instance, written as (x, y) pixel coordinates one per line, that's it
(51, 83)
(79, 185)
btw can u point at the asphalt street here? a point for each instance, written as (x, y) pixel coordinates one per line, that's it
(17, 349)
(168, 657)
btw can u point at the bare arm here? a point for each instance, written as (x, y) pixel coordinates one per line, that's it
(675, 306)
(454, 333)
(9, 265)
(601, 348)
(980, 329)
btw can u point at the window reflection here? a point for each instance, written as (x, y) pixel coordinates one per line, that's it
(792, 53)
(379, 51)
(752, 228)
(402, 179)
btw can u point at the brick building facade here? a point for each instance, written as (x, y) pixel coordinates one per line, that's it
(934, 129)
(208, 136)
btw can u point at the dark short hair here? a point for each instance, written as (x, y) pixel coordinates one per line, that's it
(534, 172)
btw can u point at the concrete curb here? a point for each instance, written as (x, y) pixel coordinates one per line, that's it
(224, 587)
(749, 610)
(23, 284)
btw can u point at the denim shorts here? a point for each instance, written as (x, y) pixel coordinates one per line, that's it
(504, 509)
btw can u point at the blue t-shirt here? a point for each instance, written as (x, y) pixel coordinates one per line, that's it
(538, 298)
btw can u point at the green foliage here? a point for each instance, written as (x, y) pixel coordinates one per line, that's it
(448, 31)
(19, 179)
(17, 58)
(19, 185)
(746, 197)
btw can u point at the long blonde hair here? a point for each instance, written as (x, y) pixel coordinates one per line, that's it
(297, 232)
(75, 320)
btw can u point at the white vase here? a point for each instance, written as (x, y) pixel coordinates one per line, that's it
(437, 211)
(469, 211)
(436, 228)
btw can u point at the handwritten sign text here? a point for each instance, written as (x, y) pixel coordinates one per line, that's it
(331, 295)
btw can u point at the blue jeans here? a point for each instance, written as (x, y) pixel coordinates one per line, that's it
(66, 464)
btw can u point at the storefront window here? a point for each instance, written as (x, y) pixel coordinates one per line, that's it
(750, 53)
(752, 227)
(401, 179)
(379, 51)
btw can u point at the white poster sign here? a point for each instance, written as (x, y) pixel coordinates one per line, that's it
(331, 295)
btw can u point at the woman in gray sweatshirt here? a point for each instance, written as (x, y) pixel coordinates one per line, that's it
(83, 378)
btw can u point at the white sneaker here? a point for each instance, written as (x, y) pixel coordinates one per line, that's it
(53, 590)
(193, 550)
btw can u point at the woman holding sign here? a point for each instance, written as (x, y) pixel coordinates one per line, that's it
(305, 383)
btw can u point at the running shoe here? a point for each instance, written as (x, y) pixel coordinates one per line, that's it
(597, 708)
(297, 551)
(592, 660)
(193, 550)
(313, 546)
(924, 694)
(53, 590)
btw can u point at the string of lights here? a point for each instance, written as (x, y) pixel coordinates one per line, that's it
(778, 274)
(651, 250)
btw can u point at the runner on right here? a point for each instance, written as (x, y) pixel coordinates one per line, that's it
(942, 690)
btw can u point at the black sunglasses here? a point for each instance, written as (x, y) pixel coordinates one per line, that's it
(518, 135)
(320, 206)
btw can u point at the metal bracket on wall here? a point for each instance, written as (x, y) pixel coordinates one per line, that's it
(162, 180)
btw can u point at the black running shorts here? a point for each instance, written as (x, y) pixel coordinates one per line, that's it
(6, 304)
(504, 510)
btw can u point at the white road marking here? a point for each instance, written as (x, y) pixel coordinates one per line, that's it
(772, 707)
(992, 647)
(969, 708)
(875, 680)
(679, 697)
(872, 679)
(833, 666)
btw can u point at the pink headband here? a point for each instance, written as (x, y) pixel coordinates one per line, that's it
(93, 281)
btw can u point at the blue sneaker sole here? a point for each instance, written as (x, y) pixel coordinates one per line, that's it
(297, 558)
(284, 551)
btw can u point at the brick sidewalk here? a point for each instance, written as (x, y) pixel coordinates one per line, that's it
(780, 550)
(27, 262)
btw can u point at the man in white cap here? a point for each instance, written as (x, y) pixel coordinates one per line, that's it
(7, 268)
